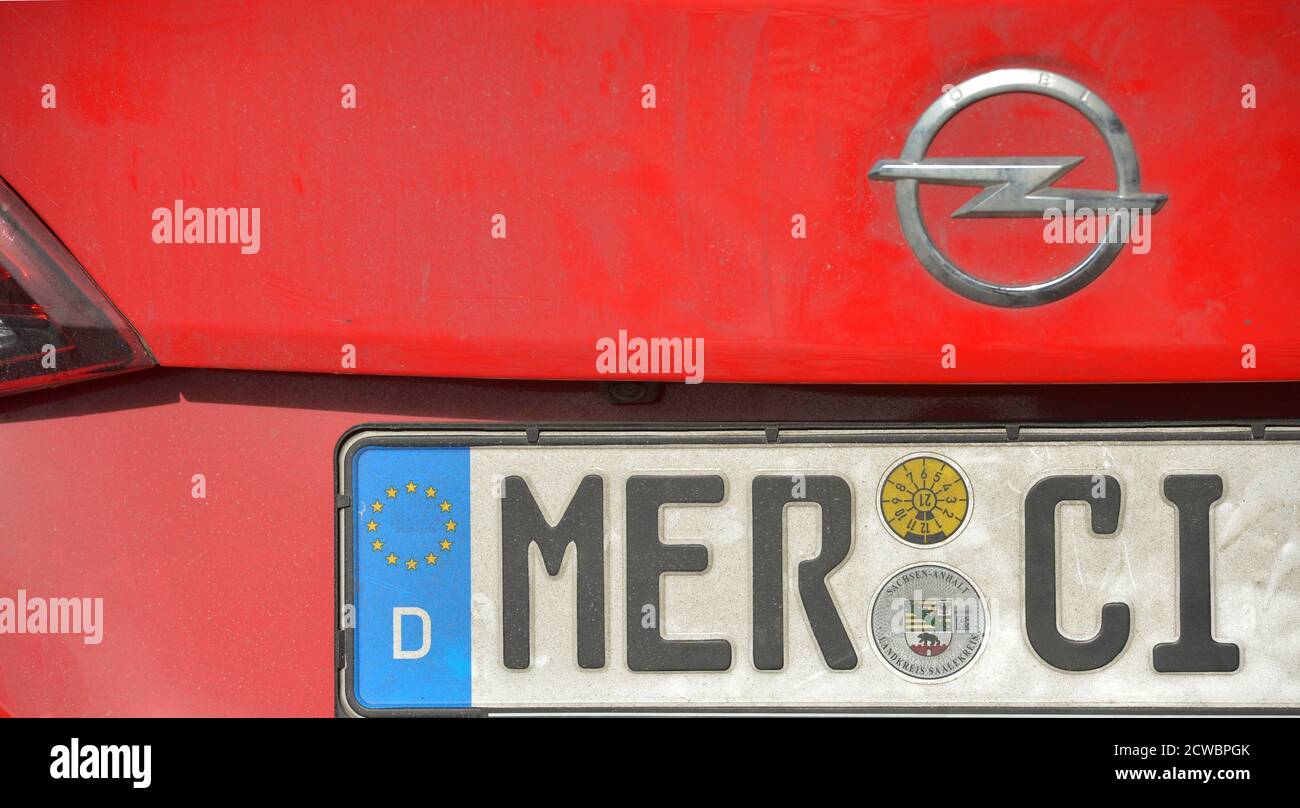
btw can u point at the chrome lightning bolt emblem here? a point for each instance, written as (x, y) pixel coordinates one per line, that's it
(1015, 187)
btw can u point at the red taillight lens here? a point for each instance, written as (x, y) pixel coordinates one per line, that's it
(55, 324)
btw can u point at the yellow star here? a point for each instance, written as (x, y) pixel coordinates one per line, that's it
(446, 545)
(451, 525)
(410, 488)
(446, 506)
(431, 492)
(411, 564)
(372, 526)
(377, 544)
(431, 559)
(377, 506)
(391, 559)
(391, 492)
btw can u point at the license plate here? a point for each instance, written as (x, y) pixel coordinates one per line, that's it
(813, 568)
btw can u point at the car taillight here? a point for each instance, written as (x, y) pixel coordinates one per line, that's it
(56, 326)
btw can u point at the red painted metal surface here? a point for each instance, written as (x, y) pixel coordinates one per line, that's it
(666, 222)
(672, 221)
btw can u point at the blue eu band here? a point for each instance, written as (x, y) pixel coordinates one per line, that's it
(411, 542)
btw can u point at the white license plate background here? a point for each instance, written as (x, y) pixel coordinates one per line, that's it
(1255, 549)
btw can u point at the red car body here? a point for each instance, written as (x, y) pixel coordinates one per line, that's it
(377, 235)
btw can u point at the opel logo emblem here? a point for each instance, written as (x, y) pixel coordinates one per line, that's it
(1015, 187)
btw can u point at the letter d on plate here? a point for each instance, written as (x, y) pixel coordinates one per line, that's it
(426, 632)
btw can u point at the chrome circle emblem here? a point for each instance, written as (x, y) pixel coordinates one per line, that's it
(1015, 186)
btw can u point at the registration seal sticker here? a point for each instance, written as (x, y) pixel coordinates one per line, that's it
(928, 622)
(924, 500)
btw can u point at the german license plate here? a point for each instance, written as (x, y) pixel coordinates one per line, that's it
(812, 568)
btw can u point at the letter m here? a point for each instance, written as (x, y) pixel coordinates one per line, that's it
(522, 525)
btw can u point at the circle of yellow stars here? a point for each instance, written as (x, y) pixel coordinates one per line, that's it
(377, 510)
